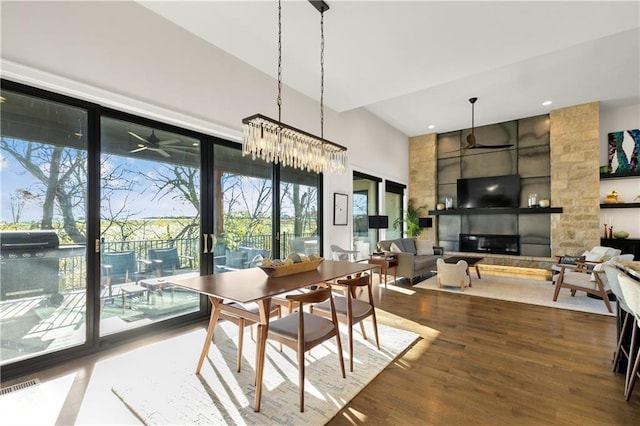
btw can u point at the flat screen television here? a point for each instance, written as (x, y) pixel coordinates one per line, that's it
(494, 191)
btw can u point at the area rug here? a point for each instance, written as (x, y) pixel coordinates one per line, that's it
(220, 395)
(533, 292)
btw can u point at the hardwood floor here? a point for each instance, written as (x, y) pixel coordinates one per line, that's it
(480, 361)
(496, 362)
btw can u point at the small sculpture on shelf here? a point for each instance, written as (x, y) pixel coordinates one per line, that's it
(611, 232)
(612, 198)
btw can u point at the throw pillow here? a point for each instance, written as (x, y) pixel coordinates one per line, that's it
(592, 257)
(571, 260)
(424, 247)
(408, 245)
(394, 248)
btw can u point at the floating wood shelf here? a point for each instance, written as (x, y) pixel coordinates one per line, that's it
(496, 210)
(620, 206)
(619, 175)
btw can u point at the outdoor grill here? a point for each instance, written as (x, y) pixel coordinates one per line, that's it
(29, 264)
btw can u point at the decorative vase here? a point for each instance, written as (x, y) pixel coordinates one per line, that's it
(544, 203)
(440, 206)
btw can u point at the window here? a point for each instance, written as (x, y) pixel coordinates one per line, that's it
(365, 204)
(393, 202)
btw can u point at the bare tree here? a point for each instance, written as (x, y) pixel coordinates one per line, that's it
(118, 215)
(181, 184)
(60, 170)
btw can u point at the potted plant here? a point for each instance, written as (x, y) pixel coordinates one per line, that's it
(411, 218)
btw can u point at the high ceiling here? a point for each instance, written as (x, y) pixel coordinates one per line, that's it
(416, 63)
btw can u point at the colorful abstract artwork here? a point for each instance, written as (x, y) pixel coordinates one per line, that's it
(623, 150)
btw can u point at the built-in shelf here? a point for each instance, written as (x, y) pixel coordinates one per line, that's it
(619, 175)
(620, 206)
(496, 210)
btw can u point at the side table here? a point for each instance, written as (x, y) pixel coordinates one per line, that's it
(156, 285)
(384, 263)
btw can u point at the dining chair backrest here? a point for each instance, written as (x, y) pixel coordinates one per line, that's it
(302, 331)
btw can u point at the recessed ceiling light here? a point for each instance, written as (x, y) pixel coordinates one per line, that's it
(545, 103)
(431, 126)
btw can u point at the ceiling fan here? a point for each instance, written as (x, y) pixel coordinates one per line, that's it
(471, 137)
(152, 143)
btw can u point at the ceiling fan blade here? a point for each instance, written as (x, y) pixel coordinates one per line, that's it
(138, 149)
(168, 141)
(181, 147)
(161, 152)
(139, 137)
(478, 146)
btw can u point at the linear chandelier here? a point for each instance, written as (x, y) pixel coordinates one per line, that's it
(273, 141)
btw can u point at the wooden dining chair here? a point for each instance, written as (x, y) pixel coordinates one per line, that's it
(352, 310)
(303, 331)
(244, 315)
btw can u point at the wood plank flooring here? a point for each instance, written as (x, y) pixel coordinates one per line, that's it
(481, 362)
(495, 362)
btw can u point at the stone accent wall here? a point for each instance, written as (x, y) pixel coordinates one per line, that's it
(575, 178)
(575, 182)
(422, 177)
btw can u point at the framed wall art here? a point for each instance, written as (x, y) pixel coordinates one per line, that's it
(340, 208)
(623, 151)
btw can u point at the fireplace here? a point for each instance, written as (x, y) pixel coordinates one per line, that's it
(490, 243)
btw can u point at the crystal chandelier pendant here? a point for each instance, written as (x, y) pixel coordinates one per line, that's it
(275, 142)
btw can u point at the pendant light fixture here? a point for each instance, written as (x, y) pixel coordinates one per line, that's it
(273, 141)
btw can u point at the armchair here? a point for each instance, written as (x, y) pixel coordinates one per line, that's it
(167, 261)
(342, 254)
(122, 267)
(590, 280)
(587, 260)
(454, 274)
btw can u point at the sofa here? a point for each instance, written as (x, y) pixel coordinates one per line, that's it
(415, 257)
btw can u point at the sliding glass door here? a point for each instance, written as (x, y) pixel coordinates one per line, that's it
(149, 223)
(100, 209)
(260, 211)
(242, 210)
(299, 212)
(43, 263)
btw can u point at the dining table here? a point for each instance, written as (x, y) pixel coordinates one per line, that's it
(255, 285)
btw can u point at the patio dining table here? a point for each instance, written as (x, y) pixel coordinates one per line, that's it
(254, 285)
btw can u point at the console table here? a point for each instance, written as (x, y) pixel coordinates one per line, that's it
(627, 245)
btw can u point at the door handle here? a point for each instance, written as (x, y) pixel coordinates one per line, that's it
(205, 243)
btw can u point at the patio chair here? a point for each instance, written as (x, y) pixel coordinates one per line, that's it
(122, 267)
(167, 261)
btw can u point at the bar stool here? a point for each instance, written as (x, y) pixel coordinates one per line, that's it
(631, 291)
(627, 317)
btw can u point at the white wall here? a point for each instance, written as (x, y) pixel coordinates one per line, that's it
(121, 55)
(615, 120)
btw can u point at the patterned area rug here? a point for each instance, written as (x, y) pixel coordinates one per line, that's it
(220, 395)
(533, 292)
